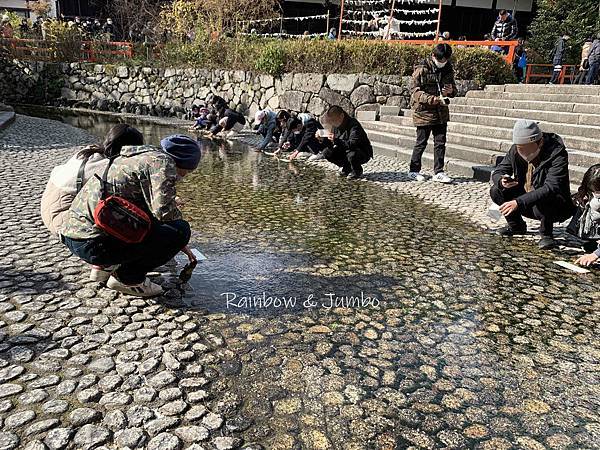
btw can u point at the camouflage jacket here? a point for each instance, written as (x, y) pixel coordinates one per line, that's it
(143, 174)
(427, 81)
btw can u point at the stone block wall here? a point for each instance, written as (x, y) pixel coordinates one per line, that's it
(171, 92)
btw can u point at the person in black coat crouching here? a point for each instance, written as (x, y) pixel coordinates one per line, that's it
(348, 145)
(533, 181)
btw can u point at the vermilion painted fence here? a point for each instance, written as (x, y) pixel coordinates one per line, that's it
(84, 51)
(544, 71)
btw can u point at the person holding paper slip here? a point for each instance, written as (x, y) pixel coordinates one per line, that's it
(533, 181)
(348, 145)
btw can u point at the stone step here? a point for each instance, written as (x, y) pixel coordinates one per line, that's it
(547, 97)
(526, 104)
(578, 164)
(549, 116)
(6, 119)
(499, 129)
(458, 146)
(577, 89)
(454, 167)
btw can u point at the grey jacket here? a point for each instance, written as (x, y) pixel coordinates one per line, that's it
(594, 56)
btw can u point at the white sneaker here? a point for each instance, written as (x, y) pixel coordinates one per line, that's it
(416, 176)
(101, 274)
(441, 177)
(317, 157)
(145, 289)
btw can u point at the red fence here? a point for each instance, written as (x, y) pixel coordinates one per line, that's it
(544, 71)
(84, 51)
(507, 46)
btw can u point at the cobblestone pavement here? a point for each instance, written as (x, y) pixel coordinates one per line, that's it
(477, 342)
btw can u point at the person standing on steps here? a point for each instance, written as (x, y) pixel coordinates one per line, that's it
(594, 61)
(533, 181)
(433, 85)
(558, 55)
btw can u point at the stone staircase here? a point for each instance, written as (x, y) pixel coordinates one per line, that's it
(480, 131)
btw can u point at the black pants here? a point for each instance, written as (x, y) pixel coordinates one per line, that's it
(547, 212)
(350, 161)
(439, 147)
(164, 241)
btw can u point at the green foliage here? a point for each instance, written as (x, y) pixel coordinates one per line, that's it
(481, 65)
(13, 18)
(555, 17)
(275, 57)
(271, 60)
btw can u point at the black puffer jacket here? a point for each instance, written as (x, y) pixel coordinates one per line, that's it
(550, 178)
(505, 31)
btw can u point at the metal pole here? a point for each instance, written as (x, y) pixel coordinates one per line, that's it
(328, 17)
(437, 32)
(281, 24)
(389, 27)
(341, 18)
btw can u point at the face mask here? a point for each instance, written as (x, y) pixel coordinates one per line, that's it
(297, 132)
(439, 64)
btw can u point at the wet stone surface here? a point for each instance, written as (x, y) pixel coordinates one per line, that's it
(473, 341)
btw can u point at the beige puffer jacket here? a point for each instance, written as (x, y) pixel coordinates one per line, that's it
(62, 188)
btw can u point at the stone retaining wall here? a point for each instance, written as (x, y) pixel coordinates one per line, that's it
(170, 92)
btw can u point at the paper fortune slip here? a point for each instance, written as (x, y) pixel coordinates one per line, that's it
(199, 256)
(572, 267)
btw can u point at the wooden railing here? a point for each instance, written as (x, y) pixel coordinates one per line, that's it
(84, 51)
(544, 71)
(508, 46)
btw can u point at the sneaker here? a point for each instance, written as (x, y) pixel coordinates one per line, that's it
(317, 157)
(102, 273)
(509, 231)
(355, 174)
(441, 177)
(547, 243)
(416, 176)
(343, 173)
(145, 289)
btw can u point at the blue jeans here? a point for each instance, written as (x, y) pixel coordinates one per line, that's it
(592, 73)
(164, 241)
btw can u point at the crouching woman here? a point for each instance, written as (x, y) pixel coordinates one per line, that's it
(141, 177)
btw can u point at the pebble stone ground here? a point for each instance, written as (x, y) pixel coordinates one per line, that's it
(83, 367)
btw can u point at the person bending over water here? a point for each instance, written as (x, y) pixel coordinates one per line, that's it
(586, 222)
(144, 176)
(533, 181)
(348, 145)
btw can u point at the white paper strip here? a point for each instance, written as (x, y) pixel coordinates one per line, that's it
(572, 267)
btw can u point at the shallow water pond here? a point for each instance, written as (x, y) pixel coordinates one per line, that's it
(360, 316)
